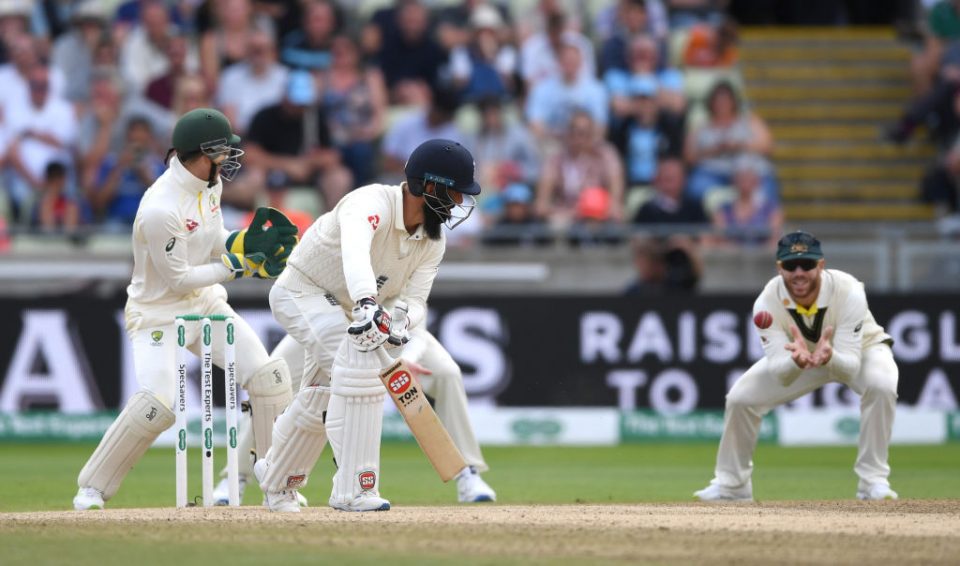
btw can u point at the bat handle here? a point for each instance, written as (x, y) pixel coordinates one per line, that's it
(398, 318)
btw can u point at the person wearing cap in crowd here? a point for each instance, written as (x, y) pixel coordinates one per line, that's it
(517, 225)
(592, 222)
(177, 231)
(646, 134)
(750, 218)
(486, 65)
(380, 245)
(72, 52)
(816, 328)
(291, 140)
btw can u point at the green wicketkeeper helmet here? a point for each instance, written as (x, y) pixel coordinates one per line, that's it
(208, 131)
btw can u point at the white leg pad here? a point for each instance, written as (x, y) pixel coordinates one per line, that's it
(354, 423)
(269, 389)
(139, 424)
(298, 440)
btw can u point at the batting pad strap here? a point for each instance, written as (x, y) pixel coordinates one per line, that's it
(354, 427)
(269, 389)
(356, 373)
(139, 424)
(299, 437)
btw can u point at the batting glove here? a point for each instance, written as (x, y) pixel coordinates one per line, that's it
(371, 325)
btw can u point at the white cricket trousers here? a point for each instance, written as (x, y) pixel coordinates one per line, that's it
(153, 334)
(756, 393)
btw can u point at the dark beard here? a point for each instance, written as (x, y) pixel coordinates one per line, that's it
(432, 222)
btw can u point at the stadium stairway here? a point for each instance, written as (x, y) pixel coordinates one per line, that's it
(826, 93)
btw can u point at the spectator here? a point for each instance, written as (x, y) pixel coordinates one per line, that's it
(56, 211)
(15, 91)
(939, 186)
(687, 13)
(228, 41)
(355, 100)
(664, 266)
(40, 132)
(646, 133)
(552, 101)
(98, 126)
(517, 224)
(143, 54)
(160, 90)
(125, 175)
(540, 54)
(593, 223)
(309, 47)
(436, 121)
(251, 85)
(586, 160)
(633, 21)
(486, 65)
(411, 59)
(712, 46)
(536, 18)
(291, 141)
(642, 64)
(14, 23)
(730, 130)
(668, 205)
(504, 150)
(455, 23)
(749, 219)
(936, 107)
(73, 52)
(942, 29)
(612, 20)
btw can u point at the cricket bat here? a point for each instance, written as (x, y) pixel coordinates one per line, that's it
(426, 427)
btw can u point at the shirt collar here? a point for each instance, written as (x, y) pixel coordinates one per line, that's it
(418, 234)
(187, 180)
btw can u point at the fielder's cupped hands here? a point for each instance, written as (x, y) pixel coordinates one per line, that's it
(798, 349)
(824, 349)
(802, 356)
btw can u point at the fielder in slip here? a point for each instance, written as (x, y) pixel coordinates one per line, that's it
(380, 244)
(815, 327)
(181, 254)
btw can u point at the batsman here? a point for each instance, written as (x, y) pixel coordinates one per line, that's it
(181, 255)
(815, 327)
(380, 244)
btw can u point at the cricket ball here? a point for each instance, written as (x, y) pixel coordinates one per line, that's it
(763, 319)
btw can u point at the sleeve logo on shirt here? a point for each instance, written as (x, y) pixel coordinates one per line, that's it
(192, 224)
(170, 243)
(374, 221)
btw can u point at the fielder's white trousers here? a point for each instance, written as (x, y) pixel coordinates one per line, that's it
(319, 327)
(756, 393)
(153, 333)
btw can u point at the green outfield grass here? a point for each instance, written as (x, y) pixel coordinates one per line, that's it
(43, 476)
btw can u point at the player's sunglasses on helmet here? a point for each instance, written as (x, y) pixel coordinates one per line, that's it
(804, 264)
(444, 204)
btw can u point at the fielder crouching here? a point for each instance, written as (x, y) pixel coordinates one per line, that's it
(181, 254)
(380, 244)
(816, 328)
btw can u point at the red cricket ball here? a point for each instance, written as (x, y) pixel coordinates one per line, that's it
(763, 319)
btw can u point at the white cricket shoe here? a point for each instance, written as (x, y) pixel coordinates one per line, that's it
(283, 501)
(717, 492)
(221, 493)
(877, 492)
(88, 498)
(472, 489)
(366, 501)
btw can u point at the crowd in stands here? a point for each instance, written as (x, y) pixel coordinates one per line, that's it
(583, 122)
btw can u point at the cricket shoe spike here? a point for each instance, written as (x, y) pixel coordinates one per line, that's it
(717, 492)
(472, 489)
(88, 498)
(221, 493)
(877, 492)
(366, 501)
(283, 501)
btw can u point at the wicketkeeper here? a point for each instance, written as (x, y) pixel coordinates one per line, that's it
(816, 328)
(181, 254)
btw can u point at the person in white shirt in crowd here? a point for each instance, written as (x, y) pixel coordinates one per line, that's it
(251, 85)
(540, 53)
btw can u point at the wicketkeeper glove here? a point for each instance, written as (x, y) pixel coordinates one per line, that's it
(371, 325)
(257, 238)
(243, 266)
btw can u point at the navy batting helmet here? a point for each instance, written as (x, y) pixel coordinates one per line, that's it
(444, 162)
